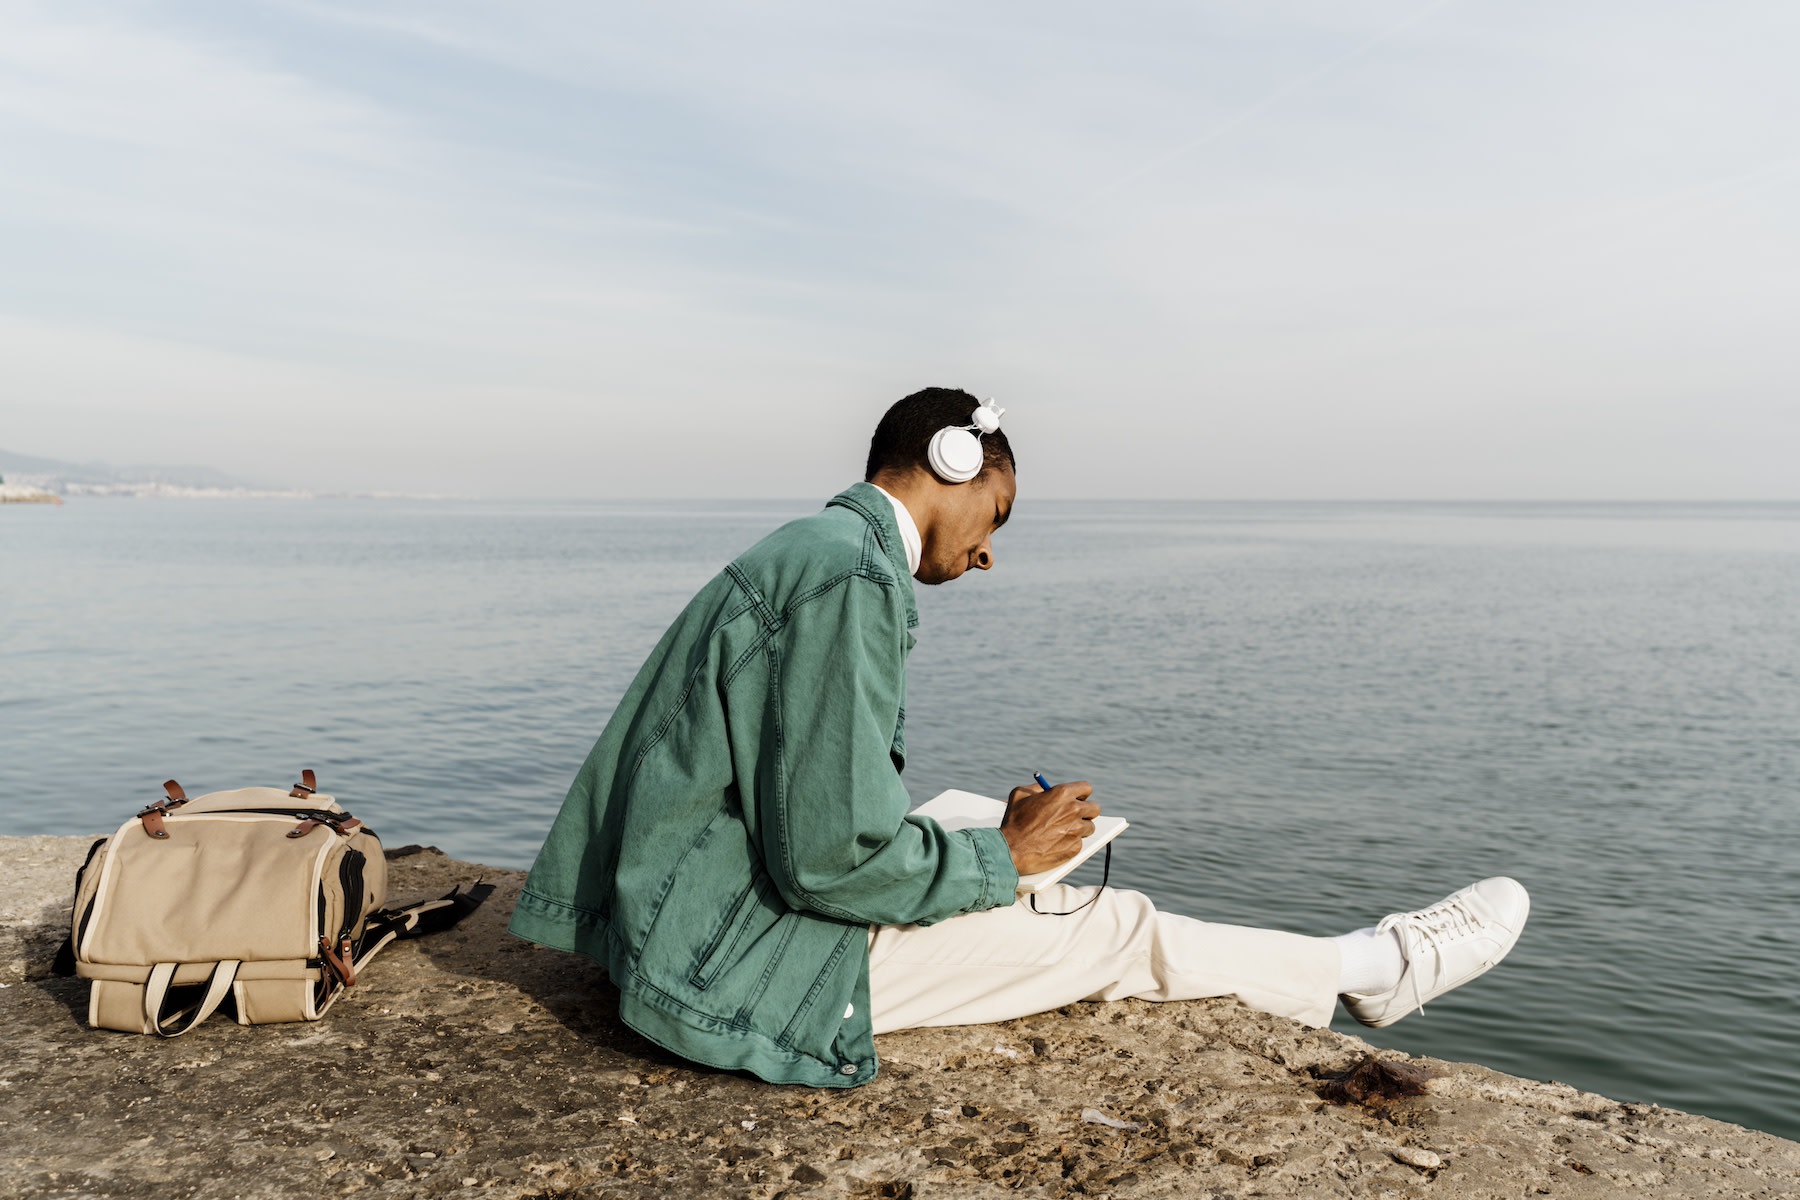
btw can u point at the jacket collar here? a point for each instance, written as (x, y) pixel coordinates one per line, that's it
(866, 500)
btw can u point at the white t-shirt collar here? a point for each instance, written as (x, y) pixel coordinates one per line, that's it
(909, 531)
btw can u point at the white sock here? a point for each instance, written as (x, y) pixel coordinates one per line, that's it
(1371, 962)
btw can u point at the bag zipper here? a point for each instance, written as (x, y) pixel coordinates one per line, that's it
(350, 875)
(323, 816)
(87, 913)
(338, 821)
(337, 955)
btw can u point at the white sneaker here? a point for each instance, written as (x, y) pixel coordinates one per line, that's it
(1446, 945)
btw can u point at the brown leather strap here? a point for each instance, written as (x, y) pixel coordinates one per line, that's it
(152, 817)
(309, 783)
(342, 963)
(341, 828)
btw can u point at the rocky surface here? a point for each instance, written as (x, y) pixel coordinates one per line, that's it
(472, 1064)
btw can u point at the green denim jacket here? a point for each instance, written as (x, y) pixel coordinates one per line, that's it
(741, 822)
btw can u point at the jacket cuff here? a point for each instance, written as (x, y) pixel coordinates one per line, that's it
(999, 880)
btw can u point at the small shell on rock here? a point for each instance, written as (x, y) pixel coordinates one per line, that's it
(1094, 1116)
(1423, 1160)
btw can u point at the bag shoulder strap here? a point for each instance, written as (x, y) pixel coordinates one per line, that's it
(416, 920)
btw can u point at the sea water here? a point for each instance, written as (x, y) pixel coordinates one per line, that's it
(1312, 714)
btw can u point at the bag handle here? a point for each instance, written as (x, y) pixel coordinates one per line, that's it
(156, 997)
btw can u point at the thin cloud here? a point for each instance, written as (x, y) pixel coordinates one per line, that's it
(522, 230)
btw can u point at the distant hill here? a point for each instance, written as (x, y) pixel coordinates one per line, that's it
(12, 463)
(104, 479)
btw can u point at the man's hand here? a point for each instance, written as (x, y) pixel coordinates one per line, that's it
(1044, 829)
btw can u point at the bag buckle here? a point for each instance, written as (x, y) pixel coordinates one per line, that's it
(342, 962)
(152, 817)
(311, 821)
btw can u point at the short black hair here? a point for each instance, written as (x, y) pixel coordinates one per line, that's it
(905, 432)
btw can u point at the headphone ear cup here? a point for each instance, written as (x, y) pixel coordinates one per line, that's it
(955, 455)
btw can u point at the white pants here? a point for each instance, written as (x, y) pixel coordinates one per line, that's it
(1012, 962)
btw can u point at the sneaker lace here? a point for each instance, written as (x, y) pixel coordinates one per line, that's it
(1431, 928)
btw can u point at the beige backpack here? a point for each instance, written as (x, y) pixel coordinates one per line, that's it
(266, 900)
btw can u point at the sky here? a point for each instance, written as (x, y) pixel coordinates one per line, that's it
(1358, 249)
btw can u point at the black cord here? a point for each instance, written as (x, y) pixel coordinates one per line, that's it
(1105, 874)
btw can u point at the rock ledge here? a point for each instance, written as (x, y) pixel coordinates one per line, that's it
(473, 1064)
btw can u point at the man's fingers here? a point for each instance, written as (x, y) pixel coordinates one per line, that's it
(1079, 810)
(1046, 827)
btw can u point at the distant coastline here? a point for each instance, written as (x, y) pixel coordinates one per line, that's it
(30, 479)
(19, 493)
(158, 490)
(31, 476)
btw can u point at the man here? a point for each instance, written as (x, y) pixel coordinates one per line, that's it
(736, 851)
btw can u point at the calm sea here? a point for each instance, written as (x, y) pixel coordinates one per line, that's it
(1312, 714)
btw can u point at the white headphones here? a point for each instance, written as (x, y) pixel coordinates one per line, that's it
(955, 451)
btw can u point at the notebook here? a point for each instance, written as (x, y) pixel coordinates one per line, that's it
(966, 810)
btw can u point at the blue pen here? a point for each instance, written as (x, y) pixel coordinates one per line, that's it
(1041, 781)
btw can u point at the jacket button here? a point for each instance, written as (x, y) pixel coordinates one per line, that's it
(847, 1069)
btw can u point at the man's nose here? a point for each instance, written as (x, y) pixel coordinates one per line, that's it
(984, 556)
